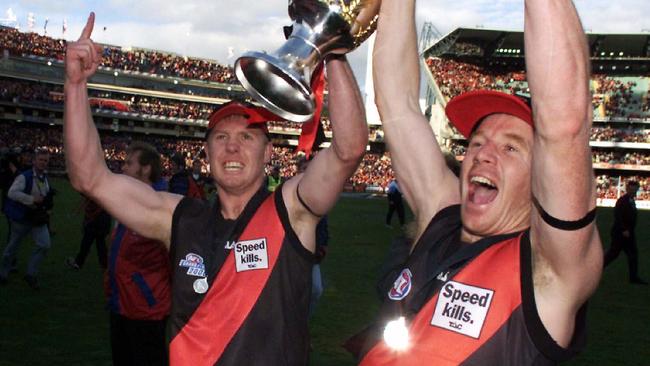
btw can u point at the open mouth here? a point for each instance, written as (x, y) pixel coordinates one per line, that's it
(232, 166)
(481, 190)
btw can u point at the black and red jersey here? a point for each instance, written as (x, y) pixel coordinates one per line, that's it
(478, 312)
(240, 300)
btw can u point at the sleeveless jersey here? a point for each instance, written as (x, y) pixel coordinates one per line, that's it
(243, 300)
(478, 312)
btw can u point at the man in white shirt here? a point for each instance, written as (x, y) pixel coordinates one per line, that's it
(27, 208)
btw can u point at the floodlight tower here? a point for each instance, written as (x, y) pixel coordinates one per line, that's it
(10, 20)
(428, 36)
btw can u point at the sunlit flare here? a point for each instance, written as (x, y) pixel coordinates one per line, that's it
(396, 334)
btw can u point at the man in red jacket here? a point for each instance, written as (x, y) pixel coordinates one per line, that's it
(137, 282)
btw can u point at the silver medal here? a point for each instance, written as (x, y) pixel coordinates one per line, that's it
(201, 285)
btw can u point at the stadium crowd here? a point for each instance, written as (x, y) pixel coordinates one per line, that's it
(456, 77)
(153, 62)
(28, 92)
(467, 49)
(295, 127)
(620, 134)
(616, 96)
(619, 97)
(374, 171)
(621, 157)
(610, 187)
(453, 76)
(52, 95)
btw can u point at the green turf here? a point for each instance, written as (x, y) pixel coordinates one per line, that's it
(65, 323)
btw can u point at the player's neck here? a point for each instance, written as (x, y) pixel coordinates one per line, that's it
(469, 238)
(232, 204)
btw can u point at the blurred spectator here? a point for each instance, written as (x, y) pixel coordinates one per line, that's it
(395, 203)
(95, 226)
(179, 183)
(28, 206)
(623, 232)
(198, 181)
(273, 179)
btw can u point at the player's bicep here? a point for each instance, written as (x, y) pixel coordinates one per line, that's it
(320, 185)
(137, 205)
(562, 223)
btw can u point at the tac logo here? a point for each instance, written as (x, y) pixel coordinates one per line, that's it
(402, 286)
(251, 255)
(462, 308)
(194, 264)
(442, 276)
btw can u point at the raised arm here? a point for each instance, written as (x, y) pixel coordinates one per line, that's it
(130, 201)
(325, 176)
(562, 178)
(419, 165)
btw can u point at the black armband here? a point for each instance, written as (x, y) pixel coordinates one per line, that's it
(305, 204)
(562, 224)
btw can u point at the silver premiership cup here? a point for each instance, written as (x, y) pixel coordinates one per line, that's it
(280, 80)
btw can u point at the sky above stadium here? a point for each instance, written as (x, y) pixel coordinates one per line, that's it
(221, 30)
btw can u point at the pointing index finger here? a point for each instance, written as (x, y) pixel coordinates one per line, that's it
(88, 29)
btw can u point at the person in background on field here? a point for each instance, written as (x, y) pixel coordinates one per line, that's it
(96, 226)
(28, 204)
(197, 181)
(623, 232)
(138, 280)
(273, 179)
(179, 181)
(395, 203)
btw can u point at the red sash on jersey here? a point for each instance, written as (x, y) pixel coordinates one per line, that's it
(230, 298)
(496, 269)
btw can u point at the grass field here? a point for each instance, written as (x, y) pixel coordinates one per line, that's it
(65, 322)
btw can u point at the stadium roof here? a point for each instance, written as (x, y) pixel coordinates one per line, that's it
(505, 43)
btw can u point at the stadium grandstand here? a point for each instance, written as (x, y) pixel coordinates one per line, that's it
(140, 94)
(468, 59)
(165, 99)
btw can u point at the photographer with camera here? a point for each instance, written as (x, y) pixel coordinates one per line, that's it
(27, 207)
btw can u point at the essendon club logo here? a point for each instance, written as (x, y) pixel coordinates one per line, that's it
(401, 286)
(194, 264)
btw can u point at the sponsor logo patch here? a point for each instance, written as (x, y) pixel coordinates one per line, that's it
(401, 286)
(194, 264)
(251, 255)
(462, 308)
